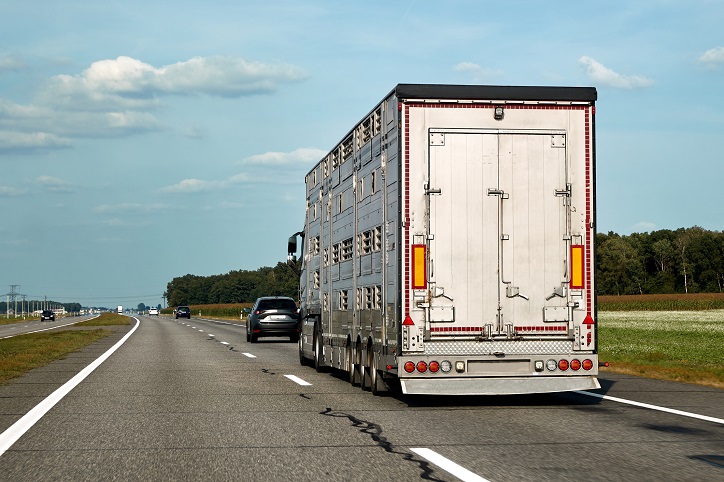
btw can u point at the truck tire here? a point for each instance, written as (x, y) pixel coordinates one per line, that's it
(304, 361)
(318, 348)
(359, 366)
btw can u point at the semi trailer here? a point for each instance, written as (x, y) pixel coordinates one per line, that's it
(448, 243)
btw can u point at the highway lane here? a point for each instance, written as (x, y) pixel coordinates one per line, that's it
(190, 399)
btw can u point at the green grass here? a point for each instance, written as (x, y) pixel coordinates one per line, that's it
(107, 319)
(664, 302)
(684, 346)
(22, 353)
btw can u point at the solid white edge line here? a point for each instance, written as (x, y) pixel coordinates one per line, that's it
(448, 465)
(297, 380)
(652, 407)
(18, 429)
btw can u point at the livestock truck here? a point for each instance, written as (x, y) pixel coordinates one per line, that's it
(448, 243)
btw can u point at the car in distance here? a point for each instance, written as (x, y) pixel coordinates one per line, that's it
(153, 312)
(47, 315)
(182, 312)
(273, 316)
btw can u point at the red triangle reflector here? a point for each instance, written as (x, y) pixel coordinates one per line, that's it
(408, 321)
(588, 320)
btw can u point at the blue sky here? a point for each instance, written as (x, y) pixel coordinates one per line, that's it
(140, 141)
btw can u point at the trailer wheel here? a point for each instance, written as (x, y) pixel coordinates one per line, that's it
(302, 359)
(348, 363)
(318, 348)
(359, 366)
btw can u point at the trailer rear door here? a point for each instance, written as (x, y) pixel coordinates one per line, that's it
(498, 235)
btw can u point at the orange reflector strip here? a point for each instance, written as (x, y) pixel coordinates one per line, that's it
(577, 266)
(419, 267)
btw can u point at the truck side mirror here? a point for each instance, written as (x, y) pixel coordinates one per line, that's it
(292, 250)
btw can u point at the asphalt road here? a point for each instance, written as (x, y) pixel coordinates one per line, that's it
(192, 400)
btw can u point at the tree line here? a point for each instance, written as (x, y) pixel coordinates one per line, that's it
(686, 260)
(239, 286)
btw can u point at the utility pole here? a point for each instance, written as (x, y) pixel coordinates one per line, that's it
(12, 297)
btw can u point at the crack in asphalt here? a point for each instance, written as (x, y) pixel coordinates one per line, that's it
(375, 432)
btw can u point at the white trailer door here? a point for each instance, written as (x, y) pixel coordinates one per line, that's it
(498, 231)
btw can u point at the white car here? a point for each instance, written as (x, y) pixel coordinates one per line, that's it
(153, 312)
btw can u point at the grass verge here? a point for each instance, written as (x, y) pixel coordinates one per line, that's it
(107, 319)
(682, 346)
(22, 353)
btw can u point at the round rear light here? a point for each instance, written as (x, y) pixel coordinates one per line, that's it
(445, 366)
(434, 366)
(421, 367)
(409, 367)
(551, 365)
(575, 364)
(587, 364)
(563, 365)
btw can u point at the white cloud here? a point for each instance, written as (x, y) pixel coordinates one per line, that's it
(713, 56)
(643, 227)
(130, 83)
(115, 97)
(478, 73)
(602, 75)
(301, 155)
(31, 141)
(10, 191)
(11, 63)
(53, 184)
(192, 186)
(129, 207)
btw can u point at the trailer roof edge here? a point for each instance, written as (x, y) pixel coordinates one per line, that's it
(494, 92)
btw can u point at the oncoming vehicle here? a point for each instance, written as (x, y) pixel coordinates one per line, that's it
(153, 312)
(47, 315)
(273, 316)
(182, 312)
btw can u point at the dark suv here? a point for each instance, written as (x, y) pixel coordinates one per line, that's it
(47, 315)
(273, 316)
(183, 312)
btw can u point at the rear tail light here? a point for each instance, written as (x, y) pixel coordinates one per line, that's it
(563, 365)
(434, 366)
(587, 364)
(575, 365)
(421, 367)
(409, 367)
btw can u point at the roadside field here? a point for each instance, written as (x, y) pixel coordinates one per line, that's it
(683, 346)
(668, 302)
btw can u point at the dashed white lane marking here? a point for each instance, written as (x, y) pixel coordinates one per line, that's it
(652, 407)
(18, 429)
(201, 331)
(249, 355)
(224, 343)
(297, 380)
(448, 465)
